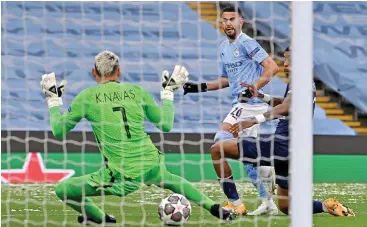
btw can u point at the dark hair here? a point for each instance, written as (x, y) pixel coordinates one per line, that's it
(232, 8)
(97, 71)
(286, 49)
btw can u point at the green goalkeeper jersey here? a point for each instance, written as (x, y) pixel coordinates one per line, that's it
(117, 112)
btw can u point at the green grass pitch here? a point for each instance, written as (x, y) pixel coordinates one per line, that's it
(37, 205)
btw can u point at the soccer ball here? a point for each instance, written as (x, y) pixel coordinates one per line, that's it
(174, 210)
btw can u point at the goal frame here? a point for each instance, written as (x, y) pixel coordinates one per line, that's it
(301, 140)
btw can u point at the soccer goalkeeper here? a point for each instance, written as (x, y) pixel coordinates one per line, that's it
(117, 112)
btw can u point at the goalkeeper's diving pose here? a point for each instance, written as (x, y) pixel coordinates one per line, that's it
(116, 111)
(241, 59)
(274, 149)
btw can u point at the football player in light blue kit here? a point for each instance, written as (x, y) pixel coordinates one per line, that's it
(242, 59)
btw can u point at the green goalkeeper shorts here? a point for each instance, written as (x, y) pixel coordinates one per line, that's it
(116, 184)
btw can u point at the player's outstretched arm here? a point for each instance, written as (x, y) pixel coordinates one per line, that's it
(163, 117)
(280, 110)
(219, 83)
(60, 124)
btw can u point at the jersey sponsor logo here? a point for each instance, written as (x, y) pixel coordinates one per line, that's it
(69, 109)
(233, 67)
(254, 51)
(234, 64)
(236, 52)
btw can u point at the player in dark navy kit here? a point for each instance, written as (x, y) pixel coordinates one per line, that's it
(273, 150)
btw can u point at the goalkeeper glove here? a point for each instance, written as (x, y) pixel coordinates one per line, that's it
(51, 92)
(190, 87)
(179, 77)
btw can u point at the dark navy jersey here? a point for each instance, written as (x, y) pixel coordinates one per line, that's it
(283, 125)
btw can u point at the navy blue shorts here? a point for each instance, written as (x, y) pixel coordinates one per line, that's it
(267, 151)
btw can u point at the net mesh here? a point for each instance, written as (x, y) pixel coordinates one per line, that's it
(64, 37)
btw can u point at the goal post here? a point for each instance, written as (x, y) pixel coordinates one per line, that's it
(301, 147)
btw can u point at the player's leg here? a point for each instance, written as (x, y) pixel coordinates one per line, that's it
(250, 155)
(219, 152)
(283, 202)
(75, 191)
(282, 170)
(257, 182)
(239, 112)
(161, 177)
(283, 199)
(267, 175)
(255, 173)
(221, 166)
(331, 206)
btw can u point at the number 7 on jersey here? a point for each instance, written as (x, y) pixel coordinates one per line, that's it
(124, 118)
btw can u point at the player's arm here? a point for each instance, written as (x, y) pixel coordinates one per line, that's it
(272, 101)
(277, 112)
(257, 53)
(270, 69)
(163, 117)
(220, 83)
(60, 124)
(268, 99)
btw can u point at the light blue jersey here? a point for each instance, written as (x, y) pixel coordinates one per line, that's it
(240, 62)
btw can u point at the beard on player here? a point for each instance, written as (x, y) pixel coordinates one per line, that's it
(232, 25)
(230, 32)
(231, 22)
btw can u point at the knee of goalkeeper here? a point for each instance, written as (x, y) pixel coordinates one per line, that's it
(64, 191)
(60, 191)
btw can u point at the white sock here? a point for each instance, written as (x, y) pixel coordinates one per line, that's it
(235, 202)
(324, 208)
(269, 196)
(266, 201)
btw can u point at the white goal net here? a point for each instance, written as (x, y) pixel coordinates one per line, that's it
(64, 37)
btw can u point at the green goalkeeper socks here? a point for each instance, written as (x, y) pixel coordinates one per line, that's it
(182, 186)
(72, 194)
(91, 210)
